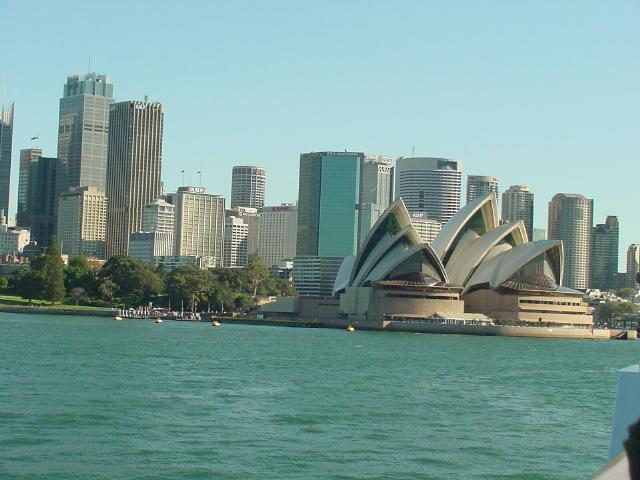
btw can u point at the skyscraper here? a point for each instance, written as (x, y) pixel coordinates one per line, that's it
(633, 264)
(82, 215)
(571, 220)
(83, 131)
(329, 195)
(517, 204)
(236, 231)
(6, 136)
(39, 212)
(430, 186)
(328, 218)
(479, 186)
(248, 186)
(28, 158)
(133, 173)
(199, 225)
(604, 253)
(376, 191)
(159, 216)
(277, 239)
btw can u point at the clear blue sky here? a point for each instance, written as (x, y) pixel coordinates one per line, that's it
(545, 93)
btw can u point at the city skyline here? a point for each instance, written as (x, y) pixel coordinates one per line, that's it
(540, 117)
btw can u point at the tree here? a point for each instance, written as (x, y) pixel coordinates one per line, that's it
(610, 310)
(256, 272)
(79, 274)
(77, 293)
(51, 268)
(4, 283)
(129, 280)
(189, 284)
(28, 284)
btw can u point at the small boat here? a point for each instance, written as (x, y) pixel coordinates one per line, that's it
(215, 323)
(351, 328)
(117, 317)
(159, 320)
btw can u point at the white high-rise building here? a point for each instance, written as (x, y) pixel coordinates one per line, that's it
(571, 220)
(251, 218)
(517, 204)
(248, 184)
(376, 188)
(199, 225)
(158, 216)
(481, 185)
(236, 231)
(427, 229)
(12, 241)
(82, 222)
(278, 226)
(430, 186)
(633, 264)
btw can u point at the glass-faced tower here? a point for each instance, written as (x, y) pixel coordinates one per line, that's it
(83, 131)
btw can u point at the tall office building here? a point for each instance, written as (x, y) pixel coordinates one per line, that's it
(199, 225)
(604, 253)
(427, 229)
(82, 222)
(133, 174)
(480, 185)
(28, 158)
(517, 204)
(376, 191)
(6, 137)
(633, 265)
(328, 217)
(277, 241)
(151, 246)
(248, 186)
(251, 217)
(83, 131)
(571, 220)
(328, 199)
(158, 216)
(430, 186)
(39, 213)
(236, 232)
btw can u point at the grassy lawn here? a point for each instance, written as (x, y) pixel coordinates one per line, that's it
(14, 300)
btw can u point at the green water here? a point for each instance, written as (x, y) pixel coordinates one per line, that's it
(90, 398)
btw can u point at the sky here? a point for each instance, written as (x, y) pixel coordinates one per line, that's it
(543, 93)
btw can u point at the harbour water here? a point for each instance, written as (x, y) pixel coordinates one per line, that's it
(84, 397)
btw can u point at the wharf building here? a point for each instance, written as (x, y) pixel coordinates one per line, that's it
(278, 229)
(82, 222)
(430, 186)
(517, 204)
(6, 142)
(37, 190)
(134, 166)
(571, 220)
(199, 230)
(248, 184)
(604, 254)
(328, 218)
(83, 131)
(480, 186)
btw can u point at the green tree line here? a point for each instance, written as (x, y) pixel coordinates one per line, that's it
(127, 282)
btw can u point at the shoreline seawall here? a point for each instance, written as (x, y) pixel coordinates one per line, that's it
(42, 310)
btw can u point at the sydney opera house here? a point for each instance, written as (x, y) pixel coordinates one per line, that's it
(476, 271)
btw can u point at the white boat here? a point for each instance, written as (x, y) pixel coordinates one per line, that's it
(159, 320)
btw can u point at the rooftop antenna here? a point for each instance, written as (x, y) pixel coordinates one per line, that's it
(182, 172)
(89, 64)
(413, 151)
(200, 178)
(146, 99)
(36, 137)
